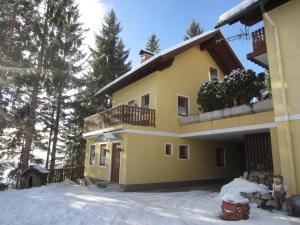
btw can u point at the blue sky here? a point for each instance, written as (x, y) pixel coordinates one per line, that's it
(169, 20)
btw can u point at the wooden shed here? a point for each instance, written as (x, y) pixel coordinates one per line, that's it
(34, 176)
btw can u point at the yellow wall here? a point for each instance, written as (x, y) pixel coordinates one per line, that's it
(104, 172)
(285, 85)
(146, 163)
(188, 72)
(237, 121)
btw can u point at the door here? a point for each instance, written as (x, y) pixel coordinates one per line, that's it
(115, 164)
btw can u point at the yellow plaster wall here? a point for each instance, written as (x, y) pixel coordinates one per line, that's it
(286, 18)
(237, 121)
(103, 172)
(146, 162)
(188, 72)
(275, 151)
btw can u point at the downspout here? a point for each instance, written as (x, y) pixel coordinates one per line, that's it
(284, 96)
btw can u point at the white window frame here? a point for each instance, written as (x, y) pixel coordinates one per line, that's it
(165, 145)
(225, 160)
(141, 97)
(95, 155)
(105, 163)
(188, 151)
(209, 75)
(188, 98)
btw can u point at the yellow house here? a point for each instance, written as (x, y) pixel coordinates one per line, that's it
(154, 136)
(276, 47)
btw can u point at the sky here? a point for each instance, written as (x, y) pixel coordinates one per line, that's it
(167, 18)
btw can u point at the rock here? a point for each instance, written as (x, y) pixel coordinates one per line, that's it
(267, 196)
(259, 202)
(272, 203)
(257, 195)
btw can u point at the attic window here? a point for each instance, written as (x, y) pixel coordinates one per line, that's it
(145, 101)
(213, 73)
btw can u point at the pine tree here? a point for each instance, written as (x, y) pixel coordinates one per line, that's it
(193, 30)
(153, 44)
(109, 61)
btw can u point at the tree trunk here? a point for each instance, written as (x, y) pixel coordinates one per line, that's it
(50, 137)
(30, 124)
(56, 126)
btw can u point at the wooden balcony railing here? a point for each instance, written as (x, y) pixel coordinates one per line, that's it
(259, 48)
(259, 41)
(123, 114)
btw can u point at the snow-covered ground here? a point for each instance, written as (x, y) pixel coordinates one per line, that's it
(68, 203)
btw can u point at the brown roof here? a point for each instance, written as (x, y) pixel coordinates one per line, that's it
(212, 41)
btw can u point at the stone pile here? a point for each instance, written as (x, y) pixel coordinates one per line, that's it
(261, 177)
(264, 200)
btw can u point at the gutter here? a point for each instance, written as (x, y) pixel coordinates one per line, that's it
(284, 95)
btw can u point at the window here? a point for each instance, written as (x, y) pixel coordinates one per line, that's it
(132, 103)
(145, 101)
(183, 152)
(213, 73)
(220, 157)
(102, 155)
(183, 106)
(168, 149)
(92, 154)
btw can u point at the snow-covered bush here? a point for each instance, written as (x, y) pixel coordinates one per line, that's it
(210, 96)
(238, 88)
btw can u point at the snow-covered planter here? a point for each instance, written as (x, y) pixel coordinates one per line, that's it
(235, 205)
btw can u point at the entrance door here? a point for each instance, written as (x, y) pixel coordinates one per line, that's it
(115, 164)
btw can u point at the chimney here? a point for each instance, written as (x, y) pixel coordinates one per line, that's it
(145, 55)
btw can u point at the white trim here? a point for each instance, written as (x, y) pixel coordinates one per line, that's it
(284, 118)
(184, 96)
(90, 164)
(146, 93)
(102, 166)
(188, 152)
(92, 133)
(192, 134)
(171, 149)
(147, 132)
(210, 66)
(229, 130)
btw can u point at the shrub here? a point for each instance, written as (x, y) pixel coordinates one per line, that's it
(238, 88)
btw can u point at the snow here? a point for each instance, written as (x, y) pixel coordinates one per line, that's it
(239, 185)
(234, 198)
(40, 168)
(237, 9)
(68, 203)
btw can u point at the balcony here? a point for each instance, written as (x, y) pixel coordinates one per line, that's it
(122, 114)
(259, 54)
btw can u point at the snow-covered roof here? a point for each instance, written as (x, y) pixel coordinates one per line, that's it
(241, 7)
(155, 57)
(37, 168)
(248, 12)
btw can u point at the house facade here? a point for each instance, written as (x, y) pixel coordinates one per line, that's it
(154, 135)
(276, 47)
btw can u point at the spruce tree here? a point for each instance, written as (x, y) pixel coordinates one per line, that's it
(193, 30)
(109, 61)
(153, 44)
